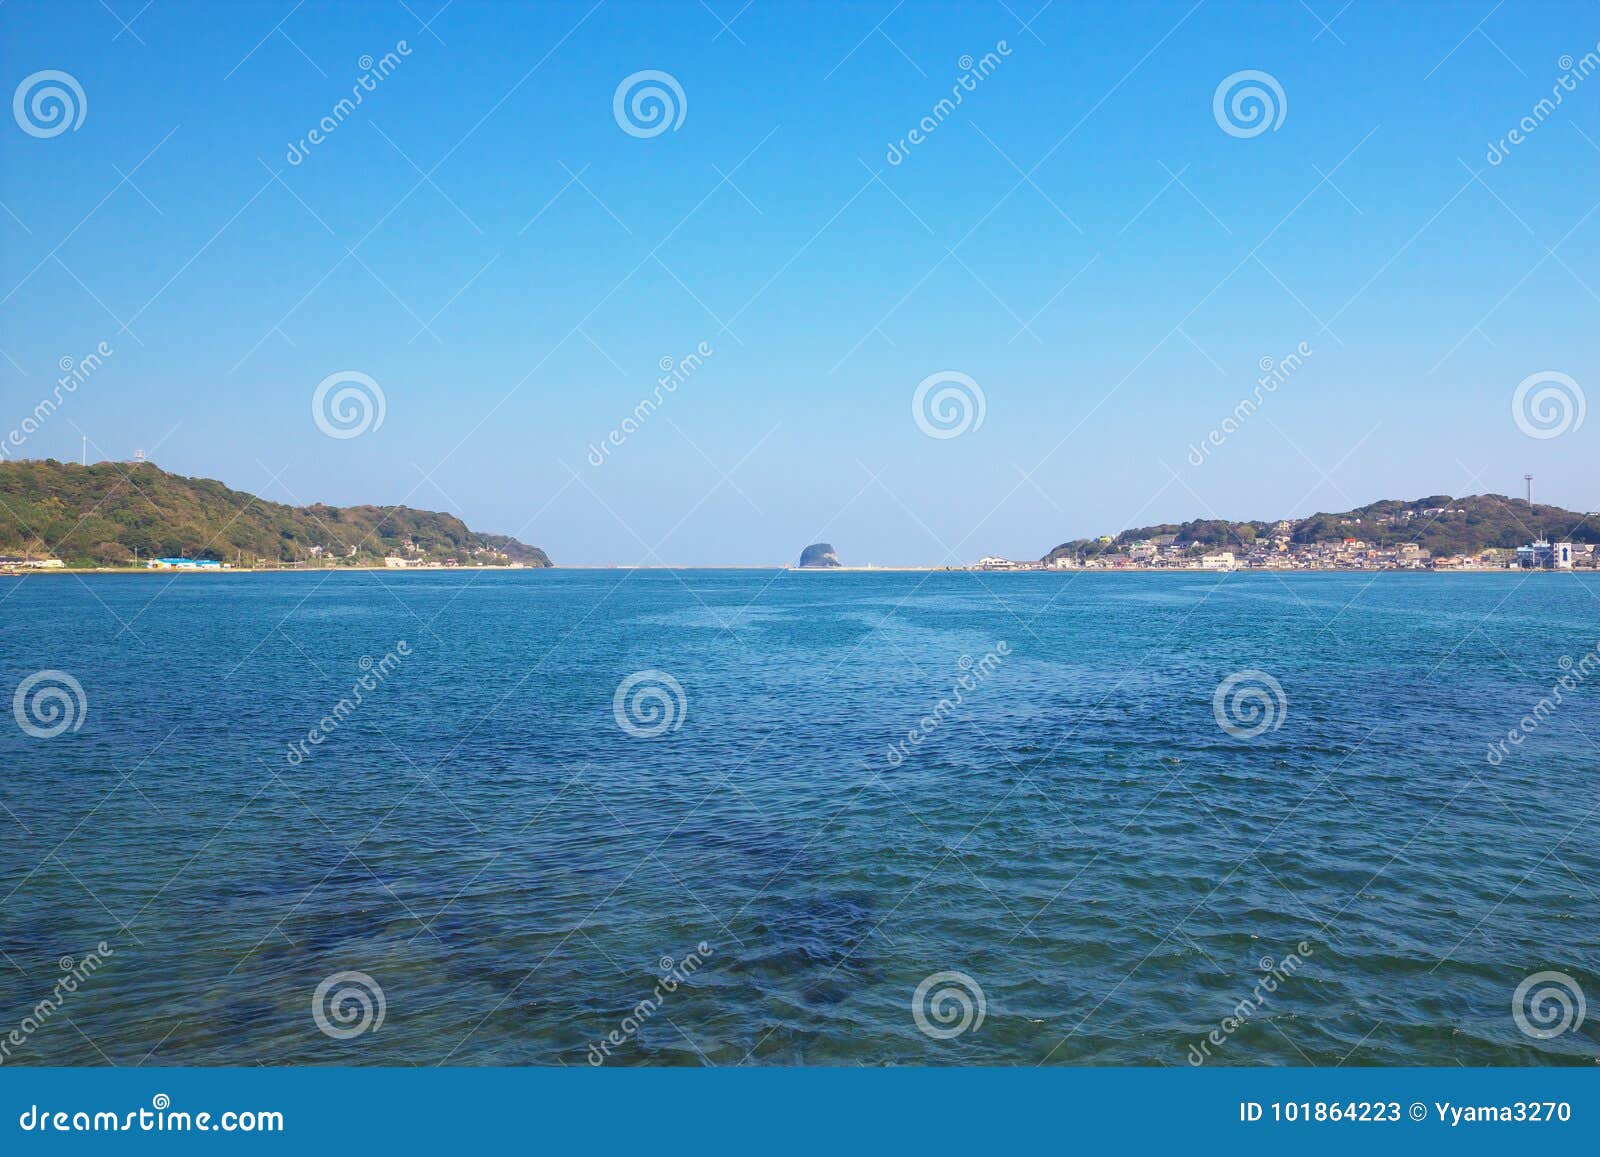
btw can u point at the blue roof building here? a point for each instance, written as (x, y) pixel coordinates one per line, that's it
(184, 564)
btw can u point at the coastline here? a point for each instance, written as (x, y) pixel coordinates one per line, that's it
(1063, 571)
(217, 570)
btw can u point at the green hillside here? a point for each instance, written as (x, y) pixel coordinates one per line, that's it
(111, 513)
(1440, 524)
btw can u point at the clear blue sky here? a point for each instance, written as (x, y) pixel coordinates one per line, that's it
(1112, 307)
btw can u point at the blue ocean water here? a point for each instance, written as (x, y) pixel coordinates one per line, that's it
(1088, 865)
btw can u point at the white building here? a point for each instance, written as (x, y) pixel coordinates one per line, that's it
(1542, 555)
(1221, 560)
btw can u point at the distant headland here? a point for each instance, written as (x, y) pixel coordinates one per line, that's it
(134, 514)
(1477, 532)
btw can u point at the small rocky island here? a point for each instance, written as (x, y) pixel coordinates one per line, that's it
(818, 556)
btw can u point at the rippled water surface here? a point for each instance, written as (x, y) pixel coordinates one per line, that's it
(1078, 836)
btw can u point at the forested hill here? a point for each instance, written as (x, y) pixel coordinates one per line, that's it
(111, 513)
(1439, 523)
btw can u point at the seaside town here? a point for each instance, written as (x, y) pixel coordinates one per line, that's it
(1279, 553)
(317, 556)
